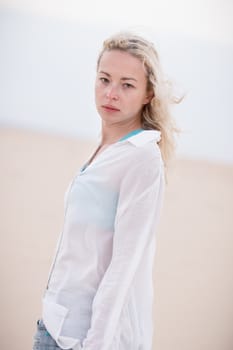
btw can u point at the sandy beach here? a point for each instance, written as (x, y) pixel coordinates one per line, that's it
(193, 271)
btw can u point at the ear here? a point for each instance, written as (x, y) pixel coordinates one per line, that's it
(148, 97)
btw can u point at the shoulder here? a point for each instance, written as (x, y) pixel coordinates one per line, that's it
(143, 165)
(148, 154)
(144, 147)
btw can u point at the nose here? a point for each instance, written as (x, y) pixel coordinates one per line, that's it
(112, 93)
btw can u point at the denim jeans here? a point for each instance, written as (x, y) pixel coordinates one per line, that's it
(43, 340)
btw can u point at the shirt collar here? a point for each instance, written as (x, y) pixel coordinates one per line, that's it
(141, 138)
(144, 137)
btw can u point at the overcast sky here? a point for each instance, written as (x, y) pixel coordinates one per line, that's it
(206, 19)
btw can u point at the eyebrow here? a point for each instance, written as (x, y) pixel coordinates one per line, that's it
(123, 78)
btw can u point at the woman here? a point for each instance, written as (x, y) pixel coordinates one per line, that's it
(100, 290)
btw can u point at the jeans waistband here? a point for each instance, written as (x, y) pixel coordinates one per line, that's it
(40, 324)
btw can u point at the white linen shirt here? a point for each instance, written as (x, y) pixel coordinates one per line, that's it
(100, 288)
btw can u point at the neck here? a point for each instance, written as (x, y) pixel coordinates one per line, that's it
(112, 133)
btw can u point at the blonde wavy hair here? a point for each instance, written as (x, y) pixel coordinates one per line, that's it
(156, 114)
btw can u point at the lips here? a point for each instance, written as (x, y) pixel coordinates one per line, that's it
(110, 108)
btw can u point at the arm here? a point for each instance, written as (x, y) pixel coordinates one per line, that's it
(137, 213)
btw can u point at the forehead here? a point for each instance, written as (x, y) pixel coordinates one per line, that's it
(121, 63)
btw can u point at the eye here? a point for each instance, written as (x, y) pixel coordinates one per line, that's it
(128, 86)
(104, 80)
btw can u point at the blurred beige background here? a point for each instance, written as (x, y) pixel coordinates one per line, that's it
(193, 272)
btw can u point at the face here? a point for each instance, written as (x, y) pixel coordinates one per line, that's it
(121, 88)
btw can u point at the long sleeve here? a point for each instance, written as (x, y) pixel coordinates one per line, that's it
(137, 213)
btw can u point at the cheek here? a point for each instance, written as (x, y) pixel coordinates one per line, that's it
(98, 89)
(96, 94)
(138, 99)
